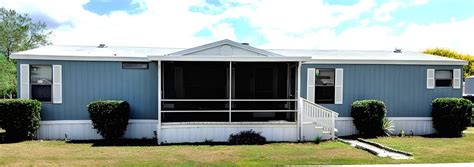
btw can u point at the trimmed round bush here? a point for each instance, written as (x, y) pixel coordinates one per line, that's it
(110, 117)
(368, 117)
(248, 137)
(451, 116)
(20, 118)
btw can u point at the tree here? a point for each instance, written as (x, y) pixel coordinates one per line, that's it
(18, 32)
(7, 78)
(468, 70)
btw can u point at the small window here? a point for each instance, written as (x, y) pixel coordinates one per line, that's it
(443, 78)
(135, 65)
(41, 82)
(324, 86)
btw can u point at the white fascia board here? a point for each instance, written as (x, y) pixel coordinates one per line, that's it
(78, 58)
(233, 58)
(408, 62)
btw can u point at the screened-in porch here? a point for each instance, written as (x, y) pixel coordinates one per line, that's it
(198, 92)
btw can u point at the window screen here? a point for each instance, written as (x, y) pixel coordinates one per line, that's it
(41, 81)
(443, 78)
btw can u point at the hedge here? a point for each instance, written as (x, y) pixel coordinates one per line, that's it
(451, 116)
(110, 117)
(368, 117)
(20, 118)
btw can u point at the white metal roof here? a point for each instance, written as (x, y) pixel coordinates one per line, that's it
(121, 53)
(369, 57)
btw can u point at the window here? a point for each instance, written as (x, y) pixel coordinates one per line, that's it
(41, 82)
(443, 78)
(134, 65)
(324, 86)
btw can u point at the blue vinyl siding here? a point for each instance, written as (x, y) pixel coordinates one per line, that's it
(84, 82)
(401, 87)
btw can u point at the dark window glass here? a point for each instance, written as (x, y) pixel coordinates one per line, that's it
(41, 92)
(262, 80)
(324, 86)
(195, 80)
(41, 81)
(443, 78)
(135, 65)
(263, 116)
(195, 117)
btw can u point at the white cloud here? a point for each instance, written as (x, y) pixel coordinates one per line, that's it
(300, 15)
(384, 11)
(455, 35)
(160, 25)
(301, 24)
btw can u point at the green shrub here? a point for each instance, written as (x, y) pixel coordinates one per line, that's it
(110, 117)
(19, 118)
(388, 126)
(248, 137)
(368, 117)
(451, 116)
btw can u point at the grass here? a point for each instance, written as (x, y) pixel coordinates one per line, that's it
(434, 150)
(61, 153)
(47, 153)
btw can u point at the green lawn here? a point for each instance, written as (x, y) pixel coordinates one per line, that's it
(433, 150)
(330, 152)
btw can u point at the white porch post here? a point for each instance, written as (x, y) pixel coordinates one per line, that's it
(299, 106)
(158, 128)
(230, 91)
(333, 126)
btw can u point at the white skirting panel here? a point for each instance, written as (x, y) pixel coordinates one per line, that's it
(82, 130)
(415, 125)
(220, 133)
(345, 127)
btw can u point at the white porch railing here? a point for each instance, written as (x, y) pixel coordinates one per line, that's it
(319, 116)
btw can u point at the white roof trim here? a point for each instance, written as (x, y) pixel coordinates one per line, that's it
(408, 62)
(236, 59)
(77, 58)
(220, 43)
(89, 53)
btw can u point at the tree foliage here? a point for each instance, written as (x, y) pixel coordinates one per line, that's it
(7, 78)
(468, 70)
(18, 32)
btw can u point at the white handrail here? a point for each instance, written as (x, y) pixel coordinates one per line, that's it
(319, 115)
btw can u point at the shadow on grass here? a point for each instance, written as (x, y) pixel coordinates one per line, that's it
(435, 135)
(4, 140)
(119, 142)
(152, 142)
(141, 142)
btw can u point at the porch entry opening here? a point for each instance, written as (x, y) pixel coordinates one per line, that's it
(210, 92)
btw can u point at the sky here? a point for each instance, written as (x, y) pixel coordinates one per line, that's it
(269, 24)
